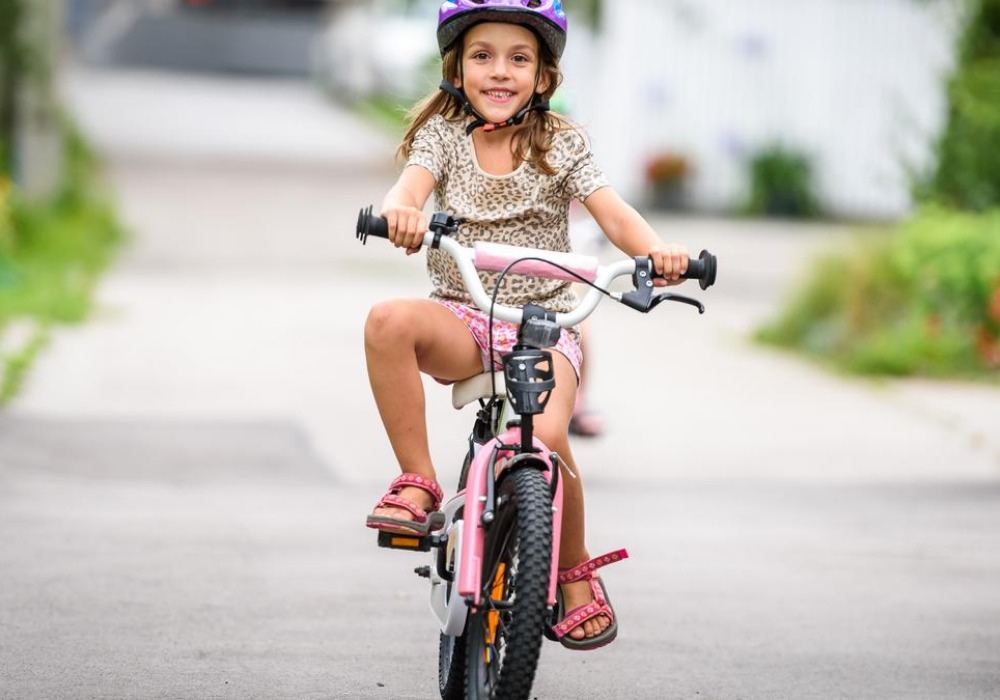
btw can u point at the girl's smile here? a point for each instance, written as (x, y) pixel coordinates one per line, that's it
(499, 96)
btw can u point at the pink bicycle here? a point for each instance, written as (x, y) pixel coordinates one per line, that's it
(495, 544)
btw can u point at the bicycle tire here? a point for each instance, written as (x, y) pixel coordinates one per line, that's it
(451, 667)
(504, 637)
(463, 475)
(451, 650)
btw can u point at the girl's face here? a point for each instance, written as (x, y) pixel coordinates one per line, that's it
(500, 63)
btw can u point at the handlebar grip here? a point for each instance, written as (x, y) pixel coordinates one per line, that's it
(371, 225)
(703, 269)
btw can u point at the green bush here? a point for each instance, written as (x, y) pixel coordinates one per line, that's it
(61, 249)
(51, 256)
(781, 184)
(51, 252)
(6, 236)
(967, 173)
(924, 299)
(6, 217)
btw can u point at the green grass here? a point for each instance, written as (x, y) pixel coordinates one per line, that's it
(16, 365)
(52, 254)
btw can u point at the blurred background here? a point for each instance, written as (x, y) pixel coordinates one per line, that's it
(852, 91)
(879, 113)
(188, 444)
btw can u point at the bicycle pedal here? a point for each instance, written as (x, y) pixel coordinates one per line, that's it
(414, 543)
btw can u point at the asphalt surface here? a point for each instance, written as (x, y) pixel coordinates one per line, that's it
(183, 480)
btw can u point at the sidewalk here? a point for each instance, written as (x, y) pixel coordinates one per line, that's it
(137, 115)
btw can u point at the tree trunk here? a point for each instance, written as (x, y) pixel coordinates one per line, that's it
(11, 65)
(37, 139)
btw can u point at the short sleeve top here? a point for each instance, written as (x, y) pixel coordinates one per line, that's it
(524, 208)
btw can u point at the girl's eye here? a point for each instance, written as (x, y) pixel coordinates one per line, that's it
(480, 56)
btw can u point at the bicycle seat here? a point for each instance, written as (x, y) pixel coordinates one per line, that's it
(474, 388)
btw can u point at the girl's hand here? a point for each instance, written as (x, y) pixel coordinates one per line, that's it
(670, 261)
(407, 226)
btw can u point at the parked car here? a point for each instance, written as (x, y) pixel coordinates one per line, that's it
(378, 48)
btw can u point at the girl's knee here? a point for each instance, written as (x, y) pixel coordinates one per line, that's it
(388, 323)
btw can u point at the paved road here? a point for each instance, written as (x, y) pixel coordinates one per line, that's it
(182, 481)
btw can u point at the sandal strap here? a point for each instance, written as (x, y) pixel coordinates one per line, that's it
(421, 482)
(587, 569)
(577, 616)
(391, 499)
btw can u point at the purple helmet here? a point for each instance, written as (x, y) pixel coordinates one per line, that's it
(546, 17)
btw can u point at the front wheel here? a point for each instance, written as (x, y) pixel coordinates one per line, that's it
(504, 637)
(451, 667)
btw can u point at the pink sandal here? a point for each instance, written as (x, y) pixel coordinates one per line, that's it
(423, 521)
(601, 605)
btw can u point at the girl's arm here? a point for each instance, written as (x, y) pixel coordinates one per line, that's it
(632, 235)
(403, 207)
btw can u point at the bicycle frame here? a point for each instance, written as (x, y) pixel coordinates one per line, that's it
(496, 459)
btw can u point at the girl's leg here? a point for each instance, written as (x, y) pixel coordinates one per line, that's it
(552, 428)
(403, 338)
(585, 422)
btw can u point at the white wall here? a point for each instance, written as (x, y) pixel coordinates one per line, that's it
(855, 84)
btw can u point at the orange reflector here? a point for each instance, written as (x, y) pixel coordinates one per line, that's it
(493, 616)
(405, 542)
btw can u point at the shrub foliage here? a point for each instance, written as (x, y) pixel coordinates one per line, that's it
(781, 184)
(923, 299)
(967, 175)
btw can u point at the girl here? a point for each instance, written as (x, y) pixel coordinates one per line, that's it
(491, 152)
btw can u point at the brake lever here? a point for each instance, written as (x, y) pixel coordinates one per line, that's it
(642, 297)
(680, 298)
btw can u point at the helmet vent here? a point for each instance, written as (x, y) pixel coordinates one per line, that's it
(545, 17)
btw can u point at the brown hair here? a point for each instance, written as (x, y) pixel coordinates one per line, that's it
(531, 143)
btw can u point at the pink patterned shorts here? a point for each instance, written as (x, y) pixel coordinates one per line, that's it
(505, 335)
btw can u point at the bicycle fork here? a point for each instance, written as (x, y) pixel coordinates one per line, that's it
(479, 505)
(456, 572)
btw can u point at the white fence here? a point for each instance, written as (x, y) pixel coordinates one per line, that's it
(856, 85)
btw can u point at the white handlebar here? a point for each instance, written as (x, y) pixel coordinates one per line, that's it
(491, 256)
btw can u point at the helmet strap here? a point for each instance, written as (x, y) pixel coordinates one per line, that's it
(536, 104)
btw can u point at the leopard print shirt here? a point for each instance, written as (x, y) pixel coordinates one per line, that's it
(524, 208)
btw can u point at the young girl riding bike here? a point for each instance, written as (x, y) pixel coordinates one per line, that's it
(488, 148)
